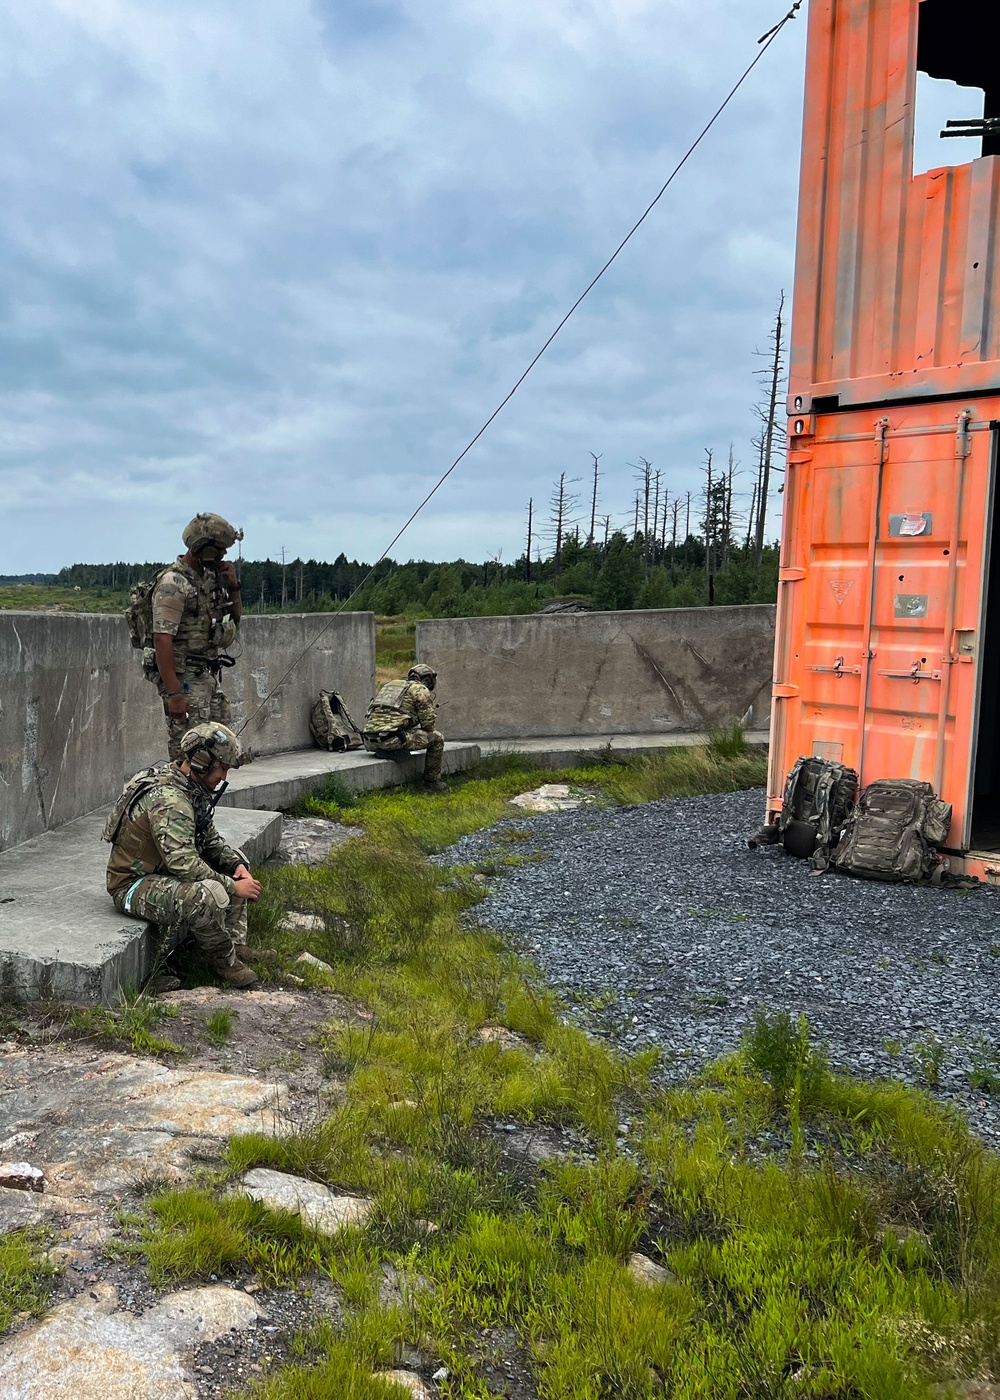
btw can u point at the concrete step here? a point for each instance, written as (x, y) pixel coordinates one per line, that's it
(579, 751)
(277, 781)
(60, 935)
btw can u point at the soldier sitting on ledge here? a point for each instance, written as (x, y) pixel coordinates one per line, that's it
(169, 864)
(401, 719)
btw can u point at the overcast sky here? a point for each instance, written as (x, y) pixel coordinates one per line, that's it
(280, 260)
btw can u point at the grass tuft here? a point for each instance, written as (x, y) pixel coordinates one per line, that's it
(26, 1275)
(131, 1021)
(219, 1025)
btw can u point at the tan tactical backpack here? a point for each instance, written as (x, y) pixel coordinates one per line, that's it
(331, 726)
(892, 832)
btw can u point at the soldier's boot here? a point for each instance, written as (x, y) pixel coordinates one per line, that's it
(235, 974)
(262, 955)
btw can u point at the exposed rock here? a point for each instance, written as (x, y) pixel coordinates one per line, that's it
(89, 1349)
(98, 1122)
(316, 963)
(409, 1380)
(309, 840)
(317, 1205)
(21, 1176)
(502, 1036)
(647, 1271)
(550, 797)
(306, 923)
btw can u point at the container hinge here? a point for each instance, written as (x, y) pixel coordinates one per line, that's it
(881, 441)
(963, 437)
(784, 692)
(791, 575)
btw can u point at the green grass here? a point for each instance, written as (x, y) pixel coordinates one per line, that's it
(825, 1238)
(25, 1274)
(481, 797)
(131, 1021)
(33, 597)
(219, 1025)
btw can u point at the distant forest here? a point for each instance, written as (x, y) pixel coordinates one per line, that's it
(624, 573)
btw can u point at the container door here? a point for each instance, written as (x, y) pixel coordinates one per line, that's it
(927, 605)
(881, 597)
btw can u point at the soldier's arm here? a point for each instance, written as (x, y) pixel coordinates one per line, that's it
(171, 822)
(424, 706)
(170, 598)
(217, 853)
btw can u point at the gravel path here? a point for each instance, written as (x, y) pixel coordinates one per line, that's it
(663, 929)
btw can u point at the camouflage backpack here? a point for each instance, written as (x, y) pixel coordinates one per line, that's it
(139, 613)
(331, 726)
(818, 798)
(893, 830)
(134, 789)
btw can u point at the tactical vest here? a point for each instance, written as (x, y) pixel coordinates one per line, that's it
(135, 851)
(201, 631)
(386, 713)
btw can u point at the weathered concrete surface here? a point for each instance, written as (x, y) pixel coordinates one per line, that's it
(62, 718)
(60, 935)
(342, 659)
(77, 717)
(277, 782)
(664, 671)
(578, 751)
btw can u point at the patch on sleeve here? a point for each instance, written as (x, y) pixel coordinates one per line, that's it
(172, 597)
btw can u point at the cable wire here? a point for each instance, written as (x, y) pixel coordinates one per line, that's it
(764, 43)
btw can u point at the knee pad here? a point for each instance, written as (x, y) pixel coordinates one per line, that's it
(208, 905)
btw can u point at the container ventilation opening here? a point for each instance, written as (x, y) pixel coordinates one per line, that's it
(958, 80)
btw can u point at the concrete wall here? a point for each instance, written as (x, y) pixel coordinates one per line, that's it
(76, 716)
(650, 672)
(342, 659)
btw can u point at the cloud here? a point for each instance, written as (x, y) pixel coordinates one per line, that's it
(283, 261)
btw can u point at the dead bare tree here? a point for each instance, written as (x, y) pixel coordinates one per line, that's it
(527, 549)
(593, 498)
(562, 503)
(771, 428)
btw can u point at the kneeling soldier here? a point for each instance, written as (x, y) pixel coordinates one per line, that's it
(401, 719)
(170, 865)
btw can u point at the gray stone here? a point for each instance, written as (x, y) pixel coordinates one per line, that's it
(21, 1176)
(317, 1206)
(316, 963)
(550, 797)
(304, 923)
(646, 1271)
(90, 1349)
(409, 1380)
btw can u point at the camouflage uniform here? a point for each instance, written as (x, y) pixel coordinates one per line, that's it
(191, 607)
(402, 718)
(169, 864)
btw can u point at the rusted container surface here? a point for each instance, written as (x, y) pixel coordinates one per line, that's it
(888, 643)
(897, 278)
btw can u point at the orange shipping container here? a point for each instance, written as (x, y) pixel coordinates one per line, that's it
(888, 647)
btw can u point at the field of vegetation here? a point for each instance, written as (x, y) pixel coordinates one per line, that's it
(802, 1234)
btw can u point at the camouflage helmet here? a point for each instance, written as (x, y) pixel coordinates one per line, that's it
(208, 531)
(205, 745)
(423, 673)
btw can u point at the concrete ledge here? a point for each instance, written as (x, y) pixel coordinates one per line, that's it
(278, 781)
(60, 935)
(581, 750)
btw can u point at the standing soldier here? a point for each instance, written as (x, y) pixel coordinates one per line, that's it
(401, 718)
(170, 865)
(196, 610)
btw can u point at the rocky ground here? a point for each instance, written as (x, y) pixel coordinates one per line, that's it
(661, 927)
